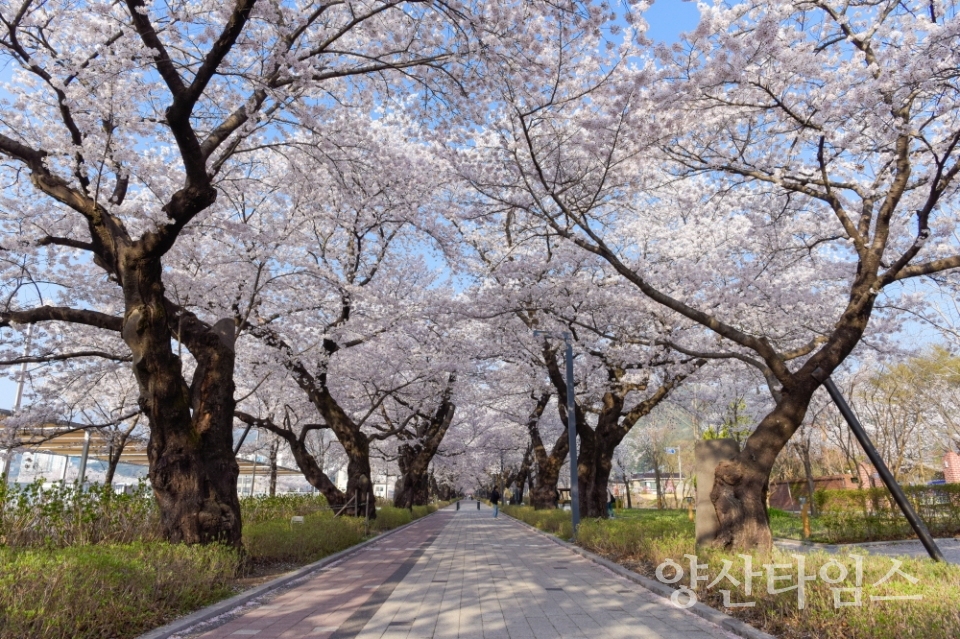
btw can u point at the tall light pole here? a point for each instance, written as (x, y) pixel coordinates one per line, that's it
(571, 427)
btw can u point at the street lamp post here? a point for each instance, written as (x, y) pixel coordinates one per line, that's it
(676, 451)
(571, 428)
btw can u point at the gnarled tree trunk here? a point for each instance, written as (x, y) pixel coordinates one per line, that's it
(193, 471)
(594, 465)
(740, 487)
(415, 454)
(543, 494)
(412, 488)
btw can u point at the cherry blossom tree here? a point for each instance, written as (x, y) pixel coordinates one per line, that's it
(129, 121)
(773, 178)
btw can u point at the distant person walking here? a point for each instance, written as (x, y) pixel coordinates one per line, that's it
(478, 503)
(611, 502)
(495, 500)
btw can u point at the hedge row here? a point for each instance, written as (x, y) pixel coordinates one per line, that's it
(872, 514)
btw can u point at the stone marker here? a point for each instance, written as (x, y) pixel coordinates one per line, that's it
(709, 453)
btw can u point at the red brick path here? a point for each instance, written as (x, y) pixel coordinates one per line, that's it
(327, 600)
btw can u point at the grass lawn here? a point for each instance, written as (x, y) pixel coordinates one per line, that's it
(861, 608)
(784, 525)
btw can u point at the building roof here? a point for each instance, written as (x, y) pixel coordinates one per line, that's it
(68, 439)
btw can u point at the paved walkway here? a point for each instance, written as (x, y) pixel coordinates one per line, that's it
(949, 546)
(463, 574)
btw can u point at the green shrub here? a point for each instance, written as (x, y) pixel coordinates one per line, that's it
(64, 515)
(423, 511)
(107, 590)
(870, 514)
(555, 521)
(278, 541)
(389, 518)
(282, 507)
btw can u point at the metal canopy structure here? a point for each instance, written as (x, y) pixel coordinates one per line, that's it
(91, 443)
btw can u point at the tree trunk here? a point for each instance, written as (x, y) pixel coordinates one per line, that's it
(359, 484)
(305, 461)
(118, 442)
(412, 487)
(193, 471)
(740, 488)
(517, 497)
(543, 493)
(626, 483)
(594, 466)
(597, 445)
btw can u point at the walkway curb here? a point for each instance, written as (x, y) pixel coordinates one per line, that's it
(784, 542)
(228, 605)
(725, 621)
(836, 548)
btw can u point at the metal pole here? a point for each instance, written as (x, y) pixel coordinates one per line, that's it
(242, 437)
(572, 436)
(23, 370)
(83, 458)
(898, 495)
(501, 474)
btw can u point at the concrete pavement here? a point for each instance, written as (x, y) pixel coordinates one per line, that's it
(949, 546)
(464, 575)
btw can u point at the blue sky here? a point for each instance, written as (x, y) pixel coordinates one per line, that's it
(669, 18)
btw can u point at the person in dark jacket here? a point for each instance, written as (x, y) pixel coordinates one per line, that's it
(495, 500)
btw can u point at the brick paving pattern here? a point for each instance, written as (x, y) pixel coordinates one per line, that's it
(465, 575)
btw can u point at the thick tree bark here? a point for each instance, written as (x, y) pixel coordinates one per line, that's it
(594, 466)
(543, 494)
(412, 487)
(193, 472)
(740, 488)
(419, 447)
